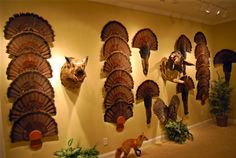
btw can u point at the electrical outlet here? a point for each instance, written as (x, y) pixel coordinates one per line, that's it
(105, 141)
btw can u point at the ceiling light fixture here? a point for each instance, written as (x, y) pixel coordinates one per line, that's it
(213, 9)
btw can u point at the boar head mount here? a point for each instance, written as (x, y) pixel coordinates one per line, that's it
(73, 72)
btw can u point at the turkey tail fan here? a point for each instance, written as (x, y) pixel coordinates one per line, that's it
(28, 62)
(184, 90)
(202, 60)
(200, 38)
(160, 110)
(118, 113)
(173, 107)
(183, 44)
(119, 77)
(32, 101)
(114, 44)
(28, 123)
(27, 43)
(202, 94)
(118, 93)
(30, 80)
(225, 57)
(117, 61)
(114, 28)
(145, 37)
(146, 91)
(147, 88)
(203, 72)
(200, 49)
(28, 22)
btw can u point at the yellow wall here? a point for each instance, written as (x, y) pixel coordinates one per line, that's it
(77, 27)
(224, 38)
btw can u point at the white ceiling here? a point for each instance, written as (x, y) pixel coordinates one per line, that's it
(185, 9)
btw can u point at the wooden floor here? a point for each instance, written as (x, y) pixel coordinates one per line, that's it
(210, 141)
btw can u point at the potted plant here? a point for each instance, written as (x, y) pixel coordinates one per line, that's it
(219, 100)
(177, 131)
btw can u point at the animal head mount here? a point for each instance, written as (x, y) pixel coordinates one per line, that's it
(73, 72)
(172, 67)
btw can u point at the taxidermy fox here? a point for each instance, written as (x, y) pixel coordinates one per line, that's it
(131, 143)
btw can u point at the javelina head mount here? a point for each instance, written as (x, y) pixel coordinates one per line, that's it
(73, 72)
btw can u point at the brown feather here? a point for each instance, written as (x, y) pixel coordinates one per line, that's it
(28, 62)
(30, 80)
(114, 28)
(118, 93)
(40, 121)
(115, 44)
(32, 101)
(27, 43)
(29, 22)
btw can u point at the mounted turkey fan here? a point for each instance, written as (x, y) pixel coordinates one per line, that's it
(119, 77)
(29, 22)
(201, 49)
(115, 44)
(184, 45)
(114, 28)
(33, 127)
(118, 113)
(28, 43)
(30, 80)
(118, 93)
(146, 91)
(202, 55)
(225, 57)
(28, 62)
(145, 40)
(184, 89)
(117, 61)
(32, 101)
(164, 112)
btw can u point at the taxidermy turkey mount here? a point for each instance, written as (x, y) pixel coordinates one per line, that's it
(73, 72)
(145, 40)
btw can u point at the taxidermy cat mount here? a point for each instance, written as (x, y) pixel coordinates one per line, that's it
(73, 72)
(129, 144)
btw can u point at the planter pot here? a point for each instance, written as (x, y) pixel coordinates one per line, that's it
(222, 120)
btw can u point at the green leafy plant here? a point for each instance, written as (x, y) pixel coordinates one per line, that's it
(76, 152)
(177, 131)
(219, 97)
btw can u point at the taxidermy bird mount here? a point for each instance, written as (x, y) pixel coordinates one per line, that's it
(164, 112)
(225, 57)
(73, 72)
(146, 91)
(145, 40)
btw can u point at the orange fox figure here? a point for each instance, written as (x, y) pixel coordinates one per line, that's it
(131, 143)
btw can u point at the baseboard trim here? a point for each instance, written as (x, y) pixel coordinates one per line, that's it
(159, 139)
